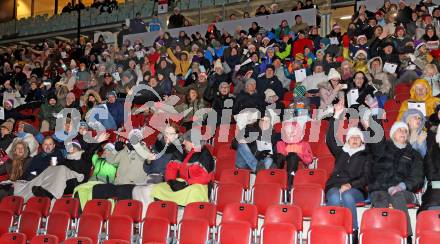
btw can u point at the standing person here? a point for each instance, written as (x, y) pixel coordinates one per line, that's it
(176, 20)
(347, 183)
(396, 172)
(137, 25)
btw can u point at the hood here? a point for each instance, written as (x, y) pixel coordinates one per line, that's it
(371, 61)
(413, 90)
(93, 93)
(410, 112)
(324, 85)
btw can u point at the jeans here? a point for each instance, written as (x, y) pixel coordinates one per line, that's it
(382, 199)
(347, 199)
(245, 159)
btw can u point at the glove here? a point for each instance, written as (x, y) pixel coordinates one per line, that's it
(177, 185)
(262, 154)
(119, 145)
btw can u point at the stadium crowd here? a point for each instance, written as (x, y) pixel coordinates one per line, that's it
(290, 68)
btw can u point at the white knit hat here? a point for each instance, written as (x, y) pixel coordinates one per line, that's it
(354, 131)
(397, 125)
(218, 64)
(360, 51)
(333, 74)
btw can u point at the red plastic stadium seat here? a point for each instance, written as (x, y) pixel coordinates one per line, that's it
(241, 212)
(310, 176)
(155, 230)
(239, 176)
(58, 224)
(115, 241)
(228, 193)
(38, 204)
(193, 231)
(90, 226)
(29, 223)
(428, 220)
(278, 176)
(374, 236)
(308, 198)
(235, 232)
(264, 195)
(333, 216)
(289, 214)
(327, 235)
(78, 240)
(6, 220)
(100, 207)
(201, 210)
(327, 163)
(278, 233)
(120, 227)
(163, 209)
(385, 218)
(67, 205)
(12, 203)
(223, 163)
(13, 238)
(428, 238)
(45, 239)
(130, 208)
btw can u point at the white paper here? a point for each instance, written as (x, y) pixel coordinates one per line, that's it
(237, 67)
(430, 9)
(63, 55)
(116, 76)
(2, 113)
(390, 68)
(352, 97)
(334, 40)
(139, 54)
(263, 146)
(419, 106)
(300, 75)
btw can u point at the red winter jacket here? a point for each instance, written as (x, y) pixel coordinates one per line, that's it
(192, 173)
(300, 44)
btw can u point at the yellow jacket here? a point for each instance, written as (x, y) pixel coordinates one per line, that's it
(430, 101)
(182, 67)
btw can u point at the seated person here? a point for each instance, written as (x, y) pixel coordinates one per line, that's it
(187, 181)
(396, 172)
(347, 183)
(421, 92)
(417, 135)
(291, 149)
(256, 155)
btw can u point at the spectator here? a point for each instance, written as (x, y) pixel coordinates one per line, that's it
(397, 172)
(417, 136)
(193, 103)
(270, 81)
(68, 8)
(49, 113)
(292, 150)
(187, 181)
(176, 20)
(299, 25)
(155, 23)
(137, 25)
(330, 91)
(115, 108)
(420, 92)
(261, 10)
(347, 183)
(7, 137)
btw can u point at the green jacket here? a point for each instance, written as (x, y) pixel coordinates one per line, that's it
(46, 113)
(103, 170)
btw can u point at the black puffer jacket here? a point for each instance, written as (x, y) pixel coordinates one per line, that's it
(432, 173)
(393, 165)
(352, 169)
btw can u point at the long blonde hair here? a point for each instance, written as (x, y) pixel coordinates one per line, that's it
(18, 161)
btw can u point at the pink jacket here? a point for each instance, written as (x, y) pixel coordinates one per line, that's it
(302, 149)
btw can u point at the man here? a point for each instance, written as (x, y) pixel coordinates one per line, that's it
(299, 24)
(176, 20)
(42, 160)
(6, 136)
(115, 108)
(279, 72)
(138, 25)
(270, 81)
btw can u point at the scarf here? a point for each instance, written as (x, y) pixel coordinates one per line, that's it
(75, 155)
(351, 151)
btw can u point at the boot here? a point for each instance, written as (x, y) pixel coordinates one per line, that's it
(39, 191)
(355, 239)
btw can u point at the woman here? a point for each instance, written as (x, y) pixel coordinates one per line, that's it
(396, 172)
(6, 136)
(416, 124)
(256, 155)
(365, 92)
(15, 166)
(292, 149)
(430, 73)
(255, 28)
(421, 92)
(193, 102)
(330, 92)
(347, 183)
(187, 181)
(430, 38)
